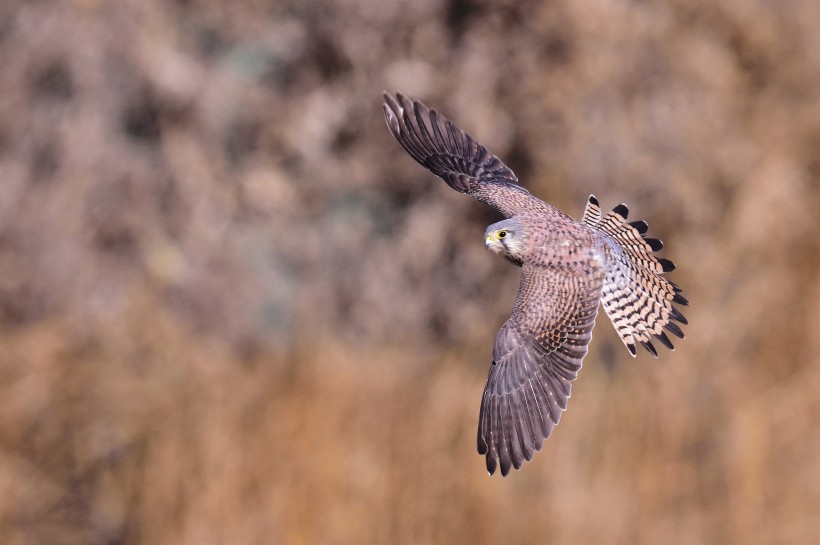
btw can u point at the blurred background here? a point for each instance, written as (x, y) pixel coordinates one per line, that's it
(232, 310)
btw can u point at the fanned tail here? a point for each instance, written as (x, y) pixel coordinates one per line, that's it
(636, 296)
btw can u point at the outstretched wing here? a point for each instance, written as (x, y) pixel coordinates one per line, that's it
(537, 355)
(453, 155)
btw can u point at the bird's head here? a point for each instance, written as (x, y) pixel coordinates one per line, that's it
(507, 238)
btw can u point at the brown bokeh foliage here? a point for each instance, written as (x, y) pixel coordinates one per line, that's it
(232, 310)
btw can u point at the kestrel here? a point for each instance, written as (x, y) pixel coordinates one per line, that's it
(568, 268)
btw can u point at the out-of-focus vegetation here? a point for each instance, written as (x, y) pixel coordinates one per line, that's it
(232, 310)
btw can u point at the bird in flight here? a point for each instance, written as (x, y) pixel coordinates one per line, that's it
(568, 269)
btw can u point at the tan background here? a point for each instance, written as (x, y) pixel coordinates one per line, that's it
(232, 310)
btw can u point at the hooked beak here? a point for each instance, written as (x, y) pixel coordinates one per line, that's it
(491, 242)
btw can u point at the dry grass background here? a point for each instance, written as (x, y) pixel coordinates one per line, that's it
(233, 311)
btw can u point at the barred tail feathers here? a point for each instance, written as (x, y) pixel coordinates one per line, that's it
(636, 296)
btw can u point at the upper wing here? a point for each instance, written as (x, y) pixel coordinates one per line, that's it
(453, 155)
(537, 355)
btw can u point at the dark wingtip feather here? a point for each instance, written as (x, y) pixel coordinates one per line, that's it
(391, 111)
(667, 265)
(673, 328)
(403, 103)
(631, 348)
(654, 243)
(665, 340)
(621, 210)
(640, 225)
(506, 465)
(650, 347)
(593, 200)
(676, 315)
(680, 299)
(491, 465)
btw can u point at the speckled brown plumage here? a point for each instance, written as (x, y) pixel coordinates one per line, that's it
(568, 269)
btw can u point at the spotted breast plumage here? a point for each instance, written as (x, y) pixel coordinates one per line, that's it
(568, 269)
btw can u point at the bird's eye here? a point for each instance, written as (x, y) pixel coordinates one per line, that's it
(502, 234)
